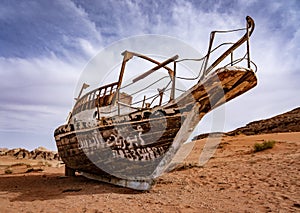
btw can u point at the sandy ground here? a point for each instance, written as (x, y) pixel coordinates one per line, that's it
(234, 180)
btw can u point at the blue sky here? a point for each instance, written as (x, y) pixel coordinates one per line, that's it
(44, 46)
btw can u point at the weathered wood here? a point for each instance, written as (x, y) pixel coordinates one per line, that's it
(154, 156)
(69, 172)
(132, 147)
(155, 68)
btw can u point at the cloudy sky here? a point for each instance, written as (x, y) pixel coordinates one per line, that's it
(44, 46)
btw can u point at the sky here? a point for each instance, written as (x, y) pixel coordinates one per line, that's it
(45, 45)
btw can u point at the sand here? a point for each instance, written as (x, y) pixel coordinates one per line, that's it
(235, 179)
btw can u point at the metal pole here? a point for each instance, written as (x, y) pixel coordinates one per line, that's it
(118, 94)
(173, 82)
(248, 45)
(212, 36)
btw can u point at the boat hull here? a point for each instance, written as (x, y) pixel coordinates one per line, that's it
(132, 150)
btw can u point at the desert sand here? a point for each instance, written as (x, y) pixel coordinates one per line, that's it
(235, 179)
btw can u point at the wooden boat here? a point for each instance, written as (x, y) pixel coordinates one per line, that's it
(108, 138)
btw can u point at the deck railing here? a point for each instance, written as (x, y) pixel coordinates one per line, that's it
(110, 94)
(101, 96)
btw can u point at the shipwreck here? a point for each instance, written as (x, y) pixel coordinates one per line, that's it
(110, 138)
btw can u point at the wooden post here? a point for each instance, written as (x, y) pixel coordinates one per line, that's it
(69, 172)
(127, 56)
(118, 96)
(143, 104)
(161, 93)
(173, 83)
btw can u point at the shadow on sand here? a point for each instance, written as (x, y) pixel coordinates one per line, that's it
(38, 186)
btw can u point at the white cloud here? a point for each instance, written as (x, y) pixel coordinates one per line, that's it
(37, 93)
(39, 87)
(87, 47)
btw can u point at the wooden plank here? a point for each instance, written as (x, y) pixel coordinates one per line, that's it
(155, 68)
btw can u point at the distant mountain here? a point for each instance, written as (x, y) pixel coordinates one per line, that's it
(286, 122)
(40, 153)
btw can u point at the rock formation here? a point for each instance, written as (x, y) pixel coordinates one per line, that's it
(38, 154)
(286, 122)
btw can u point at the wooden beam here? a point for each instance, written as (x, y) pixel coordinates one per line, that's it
(155, 68)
